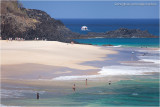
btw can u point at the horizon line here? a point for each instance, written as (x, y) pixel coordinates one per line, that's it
(105, 18)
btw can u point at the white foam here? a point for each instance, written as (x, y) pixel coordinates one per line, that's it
(113, 71)
(152, 57)
(118, 46)
(127, 70)
(135, 94)
(150, 51)
(122, 69)
(82, 77)
(156, 61)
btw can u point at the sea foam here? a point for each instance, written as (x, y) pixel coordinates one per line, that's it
(152, 56)
(127, 70)
(118, 46)
(113, 71)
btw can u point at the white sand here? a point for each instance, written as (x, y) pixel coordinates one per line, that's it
(51, 53)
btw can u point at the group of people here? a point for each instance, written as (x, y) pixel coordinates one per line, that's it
(21, 39)
(18, 39)
(74, 88)
(40, 39)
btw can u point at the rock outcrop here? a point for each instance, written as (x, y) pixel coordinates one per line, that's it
(121, 33)
(17, 21)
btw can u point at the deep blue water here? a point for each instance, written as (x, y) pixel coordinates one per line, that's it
(104, 25)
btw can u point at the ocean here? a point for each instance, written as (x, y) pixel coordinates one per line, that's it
(104, 25)
(140, 91)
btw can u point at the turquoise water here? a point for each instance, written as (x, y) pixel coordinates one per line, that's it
(137, 92)
(123, 93)
(137, 42)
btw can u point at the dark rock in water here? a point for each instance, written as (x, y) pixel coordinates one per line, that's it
(108, 45)
(121, 33)
(129, 33)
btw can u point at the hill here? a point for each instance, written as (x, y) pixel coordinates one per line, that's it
(17, 21)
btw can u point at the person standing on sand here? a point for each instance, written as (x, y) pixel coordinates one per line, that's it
(74, 87)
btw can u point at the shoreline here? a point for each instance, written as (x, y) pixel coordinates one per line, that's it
(81, 67)
(50, 57)
(43, 72)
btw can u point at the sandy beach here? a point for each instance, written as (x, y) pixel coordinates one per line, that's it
(52, 60)
(40, 58)
(79, 54)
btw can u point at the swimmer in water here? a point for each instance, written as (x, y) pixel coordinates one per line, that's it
(74, 87)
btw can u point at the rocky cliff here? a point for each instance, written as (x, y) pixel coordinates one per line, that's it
(17, 21)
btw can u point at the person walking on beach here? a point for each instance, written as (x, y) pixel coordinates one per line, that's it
(74, 87)
(37, 96)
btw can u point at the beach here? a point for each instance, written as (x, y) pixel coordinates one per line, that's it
(51, 68)
(79, 53)
(36, 57)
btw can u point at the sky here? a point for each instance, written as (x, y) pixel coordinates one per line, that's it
(96, 9)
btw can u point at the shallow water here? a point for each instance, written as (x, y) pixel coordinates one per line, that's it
(140, 91)
(131, 92)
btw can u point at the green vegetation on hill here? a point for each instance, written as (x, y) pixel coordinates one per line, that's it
(17, 21)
